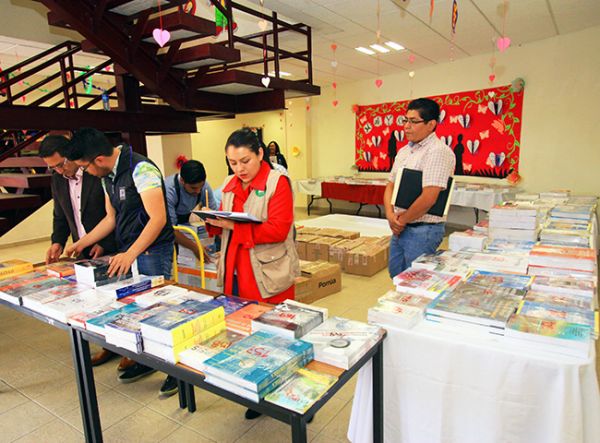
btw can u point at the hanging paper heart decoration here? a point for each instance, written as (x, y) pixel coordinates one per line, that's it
(334, 63)
(492, 77)
(335, 103)
(308, 107)
(161, 36)
(495, 160)
(265, 81)
(333, 46)
(355, 108)
(411, 74)
(473, 146)
(334, 85)
(503, 43)
(442, 116)
(411, 58)
(513, 178)
(378, 82)
(262, 24)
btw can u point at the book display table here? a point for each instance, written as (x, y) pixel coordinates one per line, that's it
(188, 378)
(445, 385)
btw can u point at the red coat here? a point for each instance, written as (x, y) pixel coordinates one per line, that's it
(245, 235)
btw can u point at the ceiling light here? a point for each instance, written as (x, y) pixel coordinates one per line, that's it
(380, 48)
(281, 74)
(395, 46)
(365, 50)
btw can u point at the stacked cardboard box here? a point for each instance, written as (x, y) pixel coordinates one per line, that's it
(301, 241)
(338, 251)
(367, 259)
(318, 248)
(319, 279)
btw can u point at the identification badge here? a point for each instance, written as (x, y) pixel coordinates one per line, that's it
(259, 193)
(122, 193)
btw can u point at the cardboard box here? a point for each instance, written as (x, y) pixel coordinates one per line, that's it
(329, 232)
(324, 279)
(301, 241)
(337, 252)
(366, 260)
(303, 287)
(318, 249)
(307, 230)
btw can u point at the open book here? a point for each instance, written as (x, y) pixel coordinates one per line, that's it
(409, 186)
(240, 217)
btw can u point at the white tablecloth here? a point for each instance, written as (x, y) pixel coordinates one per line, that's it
(442, 386)
(367, 226)
(308, 186)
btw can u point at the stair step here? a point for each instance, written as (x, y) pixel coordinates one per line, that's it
(206, 54)
(25, 180)
(134, 7)
(9, 202)
(235, 82)
(182, 27)
(23, 162)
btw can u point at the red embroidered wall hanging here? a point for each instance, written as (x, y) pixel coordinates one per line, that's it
(482, 127)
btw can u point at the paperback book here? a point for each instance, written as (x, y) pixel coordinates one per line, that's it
(230, 304)
(302, 390)
(94, 272)
(159, 295)
(125, 287)
(424, 282)
(27, 284)
(564, 285)
(97, 324)
(61, 269)
(288, 320)
(241, 320)
(487, 280)
(391, 314)
(13, 267)
(195, 356)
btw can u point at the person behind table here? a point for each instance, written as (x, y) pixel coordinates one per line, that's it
(276, 166)
(416, 232)
(259, 261)
(276, 156)
(136, 210)
(185, 191)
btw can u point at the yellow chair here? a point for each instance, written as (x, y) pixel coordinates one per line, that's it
(200, 248)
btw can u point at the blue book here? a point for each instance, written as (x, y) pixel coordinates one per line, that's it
(255, 361)
(97, 324)
(230, 304)
(493, 279)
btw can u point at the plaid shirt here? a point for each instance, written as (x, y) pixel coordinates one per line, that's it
(431, 156)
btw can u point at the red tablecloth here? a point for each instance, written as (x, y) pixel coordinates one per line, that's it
(368, 194)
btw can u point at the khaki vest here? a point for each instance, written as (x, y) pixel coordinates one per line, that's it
(275, 265)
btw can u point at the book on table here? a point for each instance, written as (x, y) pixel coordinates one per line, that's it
(96, 324)
(549, 311)
(159, 295)
(564, 285)
(61, 269)
(27, 284)
(230, 304)
(181, 322)
(302, 390)
(256, 361)
(409, 186)
(129, 286)
(489, 279)
(424, 282)
(239, 217)
(288, 320)
(195, 356)
(240, 321)
(342, 342)
(391, 314)
(94, 272)
(13, 267)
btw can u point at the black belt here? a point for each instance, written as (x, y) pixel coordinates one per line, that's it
(414, 225)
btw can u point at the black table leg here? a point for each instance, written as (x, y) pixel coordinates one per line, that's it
(298, 430)
(181, 387)
(330, 205)
(476, 215)
(378, 211)
(80, 385)
(85, 379)
(312, 199)
(378, 395)
(190, 397)
(360, 207)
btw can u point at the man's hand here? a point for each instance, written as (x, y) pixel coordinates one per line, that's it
(53, 253)
(396, 224)
(120, 264)
(74, 250)
(96, 251)
(221, 223)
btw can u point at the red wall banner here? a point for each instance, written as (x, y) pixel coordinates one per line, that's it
(482, 127)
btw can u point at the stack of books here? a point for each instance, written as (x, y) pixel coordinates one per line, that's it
(565, 285)
(562, 233)
(240, 321)
(424, 282)
(302, 390)
(572, 213)
(13, 289)
(469, 239)
(291, 320)
(179, 327)
(498, 262)
(14, 267)
(163, 294)
(499, 246)
(342, 342)
(445, 262)
(97, 324)
(398, 310)
(61, 269)
(563, 261)
(129, 286)
(257, 364)
(230, 304)
(195, 356)
(482, 227)
(509, 221)
(94, 272)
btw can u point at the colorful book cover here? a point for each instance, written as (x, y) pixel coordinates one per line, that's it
(488, 279)
(241, 320)
(230, 304)
(559, 300)
(10, 268)
(195, 356)
(408, 300)
(256, 360)
(424, 282)
(158, 295)
(133, 285)
(302, 390)
(97, 324)
(565, 284)
(61, 269)
(550, 329)
(554, 312)
(286, 317)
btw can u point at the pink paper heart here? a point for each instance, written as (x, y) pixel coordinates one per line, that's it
(335, 103)
(492, 77)
(378, 82)
(503, 43)
(411, 58)
(161, 36)
(334, 85)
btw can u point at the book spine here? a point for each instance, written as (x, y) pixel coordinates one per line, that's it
(15, 270)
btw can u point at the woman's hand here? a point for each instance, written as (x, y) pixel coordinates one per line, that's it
(221, 223)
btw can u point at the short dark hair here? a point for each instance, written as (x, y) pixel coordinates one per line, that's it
(246, 138)
(89, 143)
(427, 108)
(192, 172)
(273, 142)
(53, 144)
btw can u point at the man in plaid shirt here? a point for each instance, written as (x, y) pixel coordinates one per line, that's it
(415, 231)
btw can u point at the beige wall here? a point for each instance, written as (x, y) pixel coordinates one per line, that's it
(560, 122)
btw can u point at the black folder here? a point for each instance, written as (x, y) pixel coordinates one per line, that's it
(411, 187)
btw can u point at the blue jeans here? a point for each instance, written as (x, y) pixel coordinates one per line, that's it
(157, 260)
(411, 243)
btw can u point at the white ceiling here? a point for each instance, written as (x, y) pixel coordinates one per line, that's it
(351, 23)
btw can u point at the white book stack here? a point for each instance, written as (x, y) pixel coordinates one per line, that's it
(577, 214)
(562, 261)
(398, 310)
(526, 196)
(499, 262)
(509, 221)
(467, 239)
(424, 282)
(158, 295)
(567, 233)
(482, 227)
(569, 286)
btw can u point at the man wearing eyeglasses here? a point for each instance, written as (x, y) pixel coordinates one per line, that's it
(415, 231)
(78, 202)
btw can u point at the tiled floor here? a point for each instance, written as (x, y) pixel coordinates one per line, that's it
(38, 394)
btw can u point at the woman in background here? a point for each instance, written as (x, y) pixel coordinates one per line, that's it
(275, 154)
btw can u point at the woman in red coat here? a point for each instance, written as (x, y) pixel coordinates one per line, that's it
(246, 191)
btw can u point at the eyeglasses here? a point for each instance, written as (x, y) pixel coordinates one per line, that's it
(61, 165)
(403, 120)
(85, 168)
